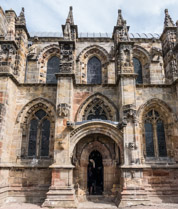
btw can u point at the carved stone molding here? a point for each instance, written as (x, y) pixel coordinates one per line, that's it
(156, 53)
(66, 57)
(129, 112)
(131, 146)
(63, 110)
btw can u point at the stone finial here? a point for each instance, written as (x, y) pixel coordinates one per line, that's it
(120, 19)
(70, 18)
(177, 23)
(168, 20)
(21, 18)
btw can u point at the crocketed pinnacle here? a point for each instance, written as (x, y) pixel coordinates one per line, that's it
(120, 20)
(168, 20)
(70, 18)
(21, 17)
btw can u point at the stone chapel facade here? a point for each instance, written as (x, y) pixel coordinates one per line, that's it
(70, 102)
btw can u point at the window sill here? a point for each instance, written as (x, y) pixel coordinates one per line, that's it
(159, 160)
(35, 162)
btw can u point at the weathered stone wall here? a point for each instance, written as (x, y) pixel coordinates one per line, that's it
(23, 90)
(28, 184)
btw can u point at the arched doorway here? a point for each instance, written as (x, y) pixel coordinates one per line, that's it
(95, 173)
(105, 154)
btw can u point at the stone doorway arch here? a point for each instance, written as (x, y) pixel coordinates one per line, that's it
(111, 159)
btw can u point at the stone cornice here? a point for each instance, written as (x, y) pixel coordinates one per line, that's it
(151, 166)
(13, 42)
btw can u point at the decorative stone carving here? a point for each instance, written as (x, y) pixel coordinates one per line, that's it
(63, 110)
(7, 55)
(71, 125)
(2, 112)
(66, 57)
(173, 66)
(97, 109)
(129, 112)
(131, 145)
(123, 123)
(156, 53)
(126, 56)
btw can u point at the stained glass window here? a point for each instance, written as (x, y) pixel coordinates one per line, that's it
(32, 138)
(155, 135)
(161, 139)
(39, 135)
(149, 140)
(45, 138)
(40, 114)
(97, 112)
(94, 71)
(52, 68)
(138, 70)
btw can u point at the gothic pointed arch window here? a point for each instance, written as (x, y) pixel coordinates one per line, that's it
(52, 69)
(138, 70)
(39, 135)
(155, 142)
(94, 75)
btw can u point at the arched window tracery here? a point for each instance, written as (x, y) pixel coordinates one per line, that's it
(52, 69)
(94, 74)
(97, 109)
(155, 142)
(39, 135)
(138, 70)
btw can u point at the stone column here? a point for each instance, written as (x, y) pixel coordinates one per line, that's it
(61, 193)
(127, 89)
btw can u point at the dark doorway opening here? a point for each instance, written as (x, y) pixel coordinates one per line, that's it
(95, 173)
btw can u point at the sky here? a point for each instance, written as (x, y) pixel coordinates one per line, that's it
(99, 16)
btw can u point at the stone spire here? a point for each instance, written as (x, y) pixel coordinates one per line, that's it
(121, 29)
(120, 20)
(70, 18)
(168, 20)
(21, 18)
(69, 29)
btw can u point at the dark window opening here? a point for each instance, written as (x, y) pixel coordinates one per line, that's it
(149, 140)
(45, 138)
(97, 112)
(155, 135)
(161, 139)
(95, 173)
(52, 69)
(138, 70)
(32, 137)
(39, 135)
(94, 75)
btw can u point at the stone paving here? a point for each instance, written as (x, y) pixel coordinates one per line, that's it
(90, 205)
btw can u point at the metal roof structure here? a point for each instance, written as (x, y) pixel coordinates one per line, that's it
(96, 35)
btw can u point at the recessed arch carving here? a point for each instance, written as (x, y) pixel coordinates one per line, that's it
(92, 50)
(45, 54)
(159, 104)
(96, 127)
(145, 59)
(96, 145)
(168, 117)
(28, 117)
(30, 106)
(97, 98)
(85, 55)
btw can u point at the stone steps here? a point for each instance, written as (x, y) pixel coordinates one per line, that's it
(97, 201)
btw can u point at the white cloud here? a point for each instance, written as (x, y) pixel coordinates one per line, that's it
(94, 15)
